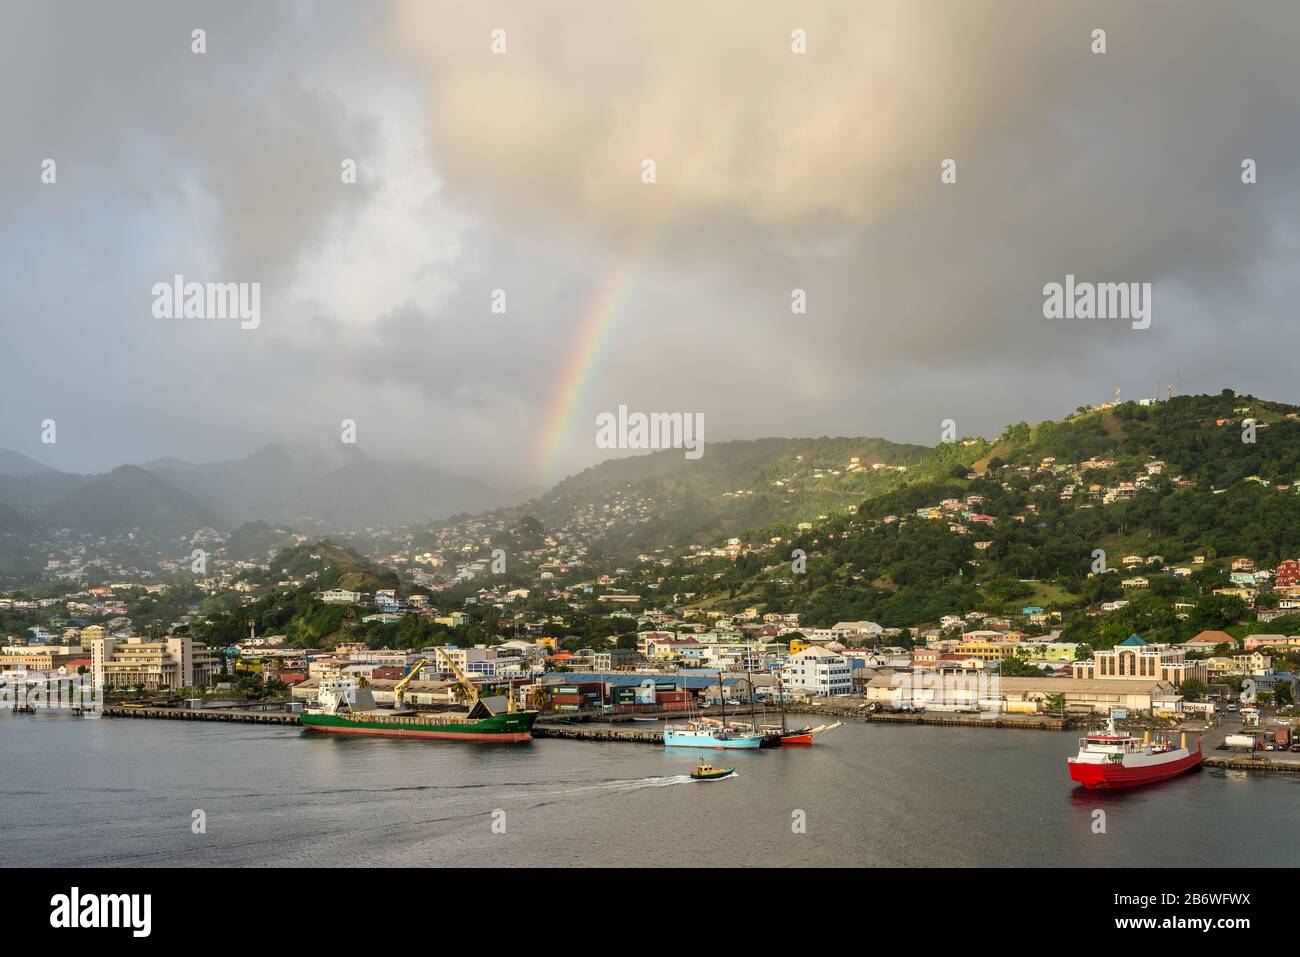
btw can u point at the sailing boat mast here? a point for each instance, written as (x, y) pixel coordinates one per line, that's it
(749, 677)
(780, 695)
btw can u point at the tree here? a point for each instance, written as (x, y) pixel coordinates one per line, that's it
(1193, 689)
(1015, 667)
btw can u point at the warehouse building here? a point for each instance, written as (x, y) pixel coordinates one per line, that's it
(988, 692)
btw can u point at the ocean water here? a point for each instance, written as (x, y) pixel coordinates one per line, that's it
(118, 792)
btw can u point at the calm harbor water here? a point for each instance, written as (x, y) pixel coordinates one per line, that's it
(122, 792)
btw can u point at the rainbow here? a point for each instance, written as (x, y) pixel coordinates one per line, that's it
(598, 321)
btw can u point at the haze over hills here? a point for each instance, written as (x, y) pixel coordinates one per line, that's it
(17, 465)
(662, 498)
(169, 496)
(316, 491)
(1168, 491)
(127, 497)
(645, 502)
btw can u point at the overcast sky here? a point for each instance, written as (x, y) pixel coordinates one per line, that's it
(522, 171)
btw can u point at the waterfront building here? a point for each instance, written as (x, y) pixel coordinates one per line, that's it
(384, 657)
(1135, 660)
(39, 657)
(465, 658)
(988, 692)
(819, 672)
(163, 665)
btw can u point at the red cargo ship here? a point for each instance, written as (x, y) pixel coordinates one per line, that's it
(1113, 760)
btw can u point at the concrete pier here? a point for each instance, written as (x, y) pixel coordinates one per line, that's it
(589, 732)
(202, 714)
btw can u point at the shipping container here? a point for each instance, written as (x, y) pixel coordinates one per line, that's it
(1021, 707)
(673, 697)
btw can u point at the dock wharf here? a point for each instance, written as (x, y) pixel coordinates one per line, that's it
(202, 714)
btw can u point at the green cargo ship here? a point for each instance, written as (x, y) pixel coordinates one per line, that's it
(517, 726)
(342, 707)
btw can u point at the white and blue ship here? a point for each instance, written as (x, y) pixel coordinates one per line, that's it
(701, 734)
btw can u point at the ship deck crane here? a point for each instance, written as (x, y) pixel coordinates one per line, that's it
(399, 689)
(471, 690)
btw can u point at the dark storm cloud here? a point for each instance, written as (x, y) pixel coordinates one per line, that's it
(520, 172)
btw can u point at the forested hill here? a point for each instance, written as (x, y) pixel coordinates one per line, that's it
(644, 502)
(1164, 483)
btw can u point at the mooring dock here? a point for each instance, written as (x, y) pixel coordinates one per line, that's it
(202, 714)
(588, 732)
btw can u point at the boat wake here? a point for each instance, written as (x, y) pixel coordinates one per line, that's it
(633, 784)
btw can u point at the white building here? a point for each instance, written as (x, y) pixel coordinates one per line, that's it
(818, 672)
(466, 659)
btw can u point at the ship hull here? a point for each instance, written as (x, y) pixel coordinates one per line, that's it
(735, 742)
(794, 740)
(1100, 777)
(498, 729)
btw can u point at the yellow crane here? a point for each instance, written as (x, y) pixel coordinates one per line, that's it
(470, 689)
(399, 689)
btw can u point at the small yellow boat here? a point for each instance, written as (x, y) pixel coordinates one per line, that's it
(707, 772)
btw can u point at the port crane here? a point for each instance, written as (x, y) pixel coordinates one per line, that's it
(399, 689)
(471, 689)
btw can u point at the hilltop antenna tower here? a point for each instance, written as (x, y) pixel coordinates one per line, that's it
(1117, 395)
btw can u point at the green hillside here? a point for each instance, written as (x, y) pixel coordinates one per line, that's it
(1163, 483)
(663, 498)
